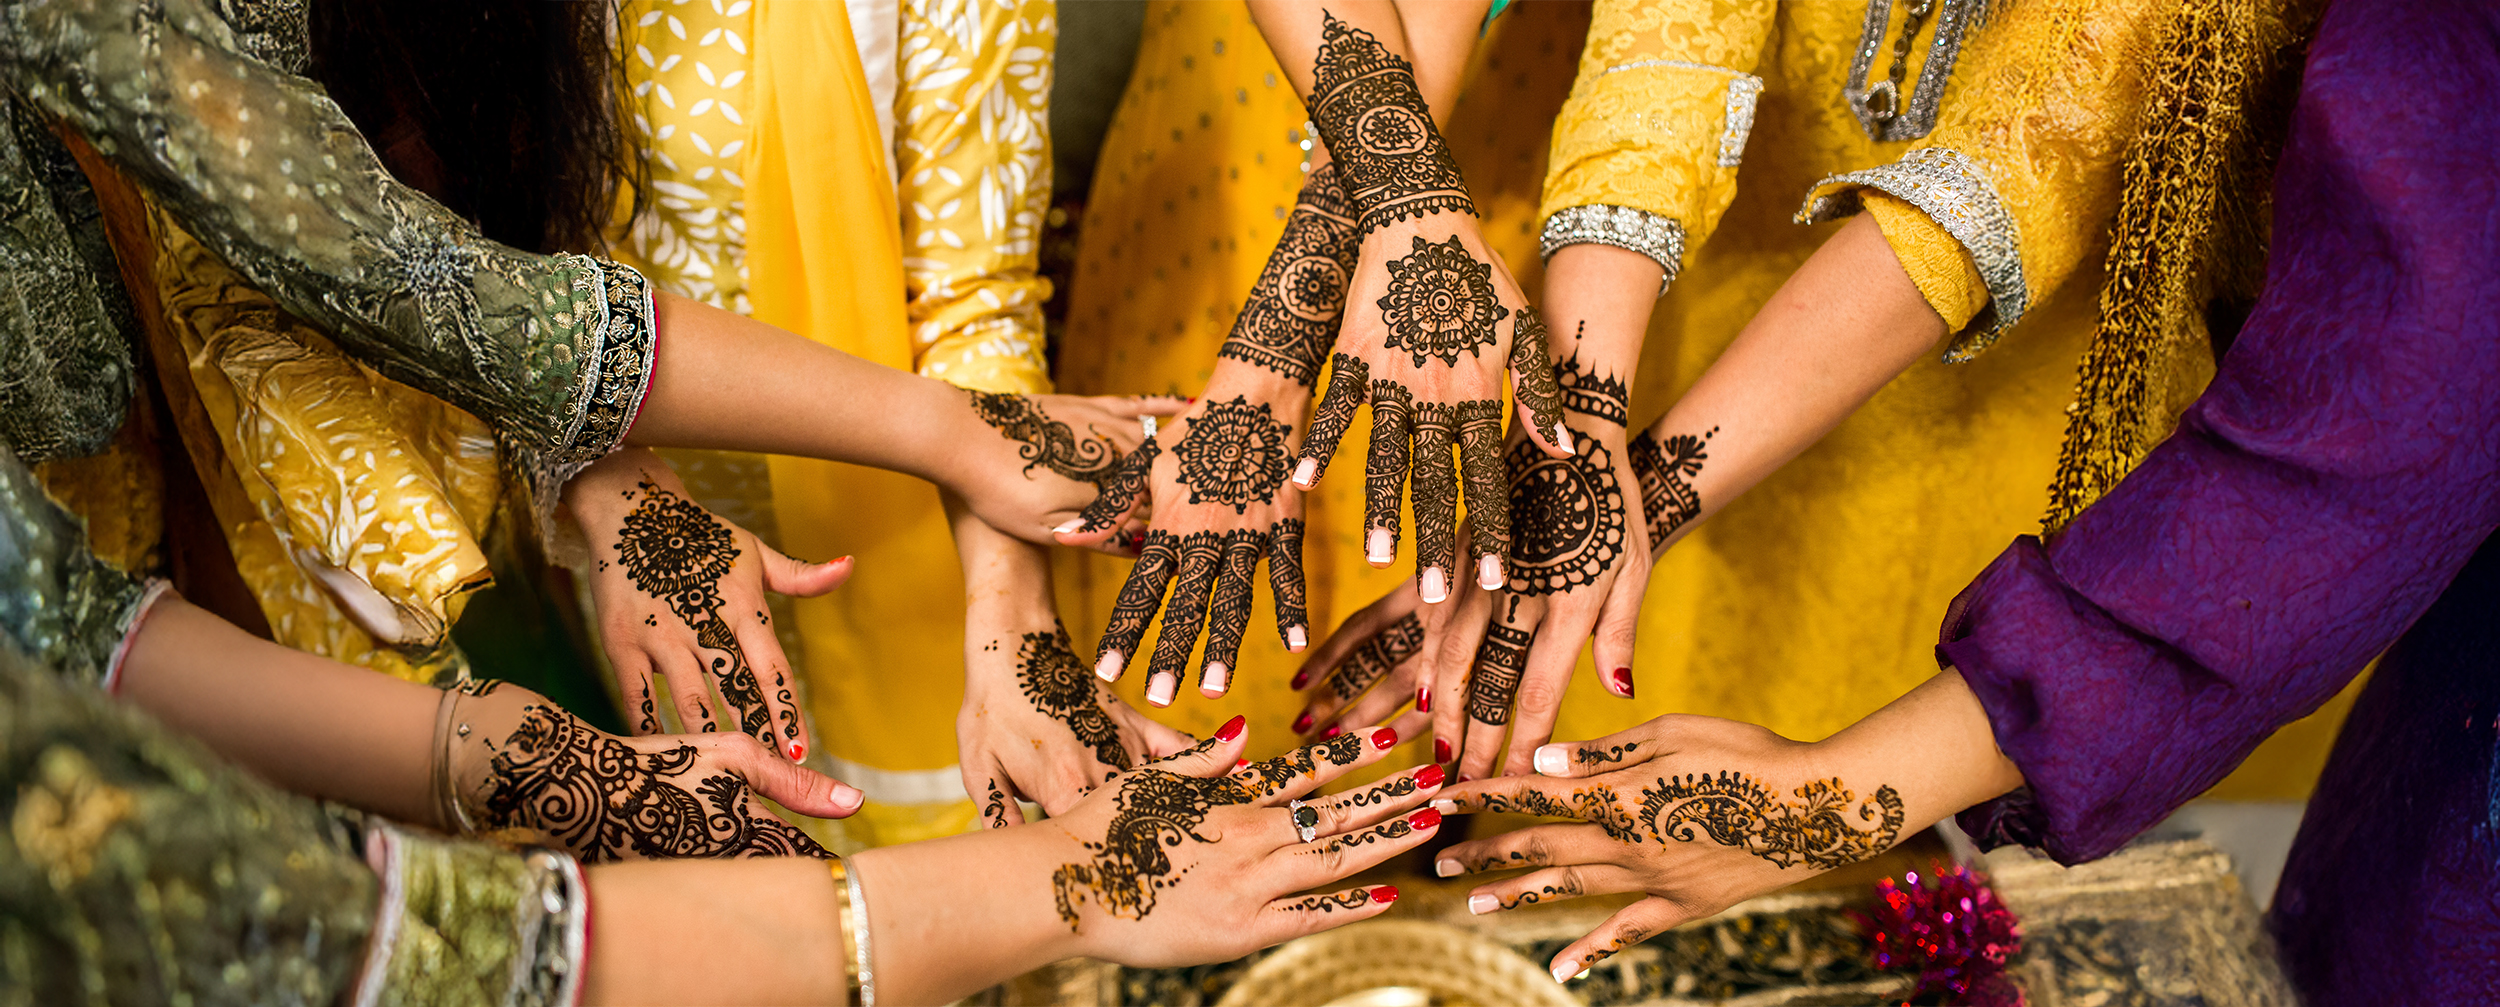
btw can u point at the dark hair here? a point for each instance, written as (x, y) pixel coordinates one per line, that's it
(509, 112)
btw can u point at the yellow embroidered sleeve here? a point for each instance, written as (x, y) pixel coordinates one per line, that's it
(972, 153)
(1938, 267)
(2023, 169)
(1646, 150)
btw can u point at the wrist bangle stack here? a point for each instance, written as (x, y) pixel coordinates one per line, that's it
(448, 815)
(851, 918)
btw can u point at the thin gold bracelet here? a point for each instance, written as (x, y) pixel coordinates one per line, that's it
(851, 918)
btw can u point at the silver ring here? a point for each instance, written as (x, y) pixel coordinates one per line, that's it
(1305, 820)
(1148, 423)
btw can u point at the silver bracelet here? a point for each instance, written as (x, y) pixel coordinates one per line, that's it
(859, 926)
(1659, 237)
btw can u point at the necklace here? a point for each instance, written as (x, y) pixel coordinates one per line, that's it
(1880, 108)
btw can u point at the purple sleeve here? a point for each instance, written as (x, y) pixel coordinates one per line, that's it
(2342, 467)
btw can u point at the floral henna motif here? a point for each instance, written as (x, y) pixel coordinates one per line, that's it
(1065, 691)
(677, 552)
(1368, 109)
(600, 798)
(1393, 411)
(1569, 512)
(1595, 804)
(1234, 455)
(1532, 363)
(1377, 657)
(1665, 470)
(1045, 442)
(1116, 494)
(1268, 776)
(1292, 315)
(1382, 794)
(1156, 809)
(1501, 662)
(1586, 392)
(1440, 302)
(1396, 830)
(1815, 829)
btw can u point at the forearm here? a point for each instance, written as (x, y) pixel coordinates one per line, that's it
(1006, 579)
(306, 723)
(949, 917)
(1436, 36)
(1934, 746)
(762, 932)
(1598, 300)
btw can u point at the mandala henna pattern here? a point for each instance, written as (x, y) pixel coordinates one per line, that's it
(1044, 442)
(1377, 657)
(1569, 515)
(1365, 102)
(600, 798)
(1665, 471)
(1065, 691)
(1440, 302)
(1816, 829)
(1234, 454)
(677, 552)
(1292, 316)
(1501, 662)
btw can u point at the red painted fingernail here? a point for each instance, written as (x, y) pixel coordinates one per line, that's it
(1240, 763)
(1231, 729)
(1623, 682)
(1300, 679)
(1423, 700)
(1440, 750)
(1302, 724)
(1462, 777)
(1333, 731)
(1425, 819)
(798, 752)
(1431, 777)
(1384, 739)
(1385, 894)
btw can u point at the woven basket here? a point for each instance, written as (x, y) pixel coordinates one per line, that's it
(1396, 963)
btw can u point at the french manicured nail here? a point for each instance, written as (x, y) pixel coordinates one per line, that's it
(1302, 724)
(1232, 729)
(1430, 778)
(1553, 760)
(1423, 700)
(1385, 739)
(1563, 973)
(1489, 573)
(1070, 527)
(1623, 682)
(1436, 587)
(1306, 471)
(1425, 819)
(1108, 668)
(1382, 548)
(847, 797)
(1212, 681)
(1385, 894)
(1447, 868)
(1160, 688)
(1296, 638)
(1300, 679)
(1445, 806)
(1562, 439)
(1333, 731)
(1482, 904)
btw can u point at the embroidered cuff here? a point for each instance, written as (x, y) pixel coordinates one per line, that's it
(1954, 191)
(611, 386)
(1660, 238)
(466, 922)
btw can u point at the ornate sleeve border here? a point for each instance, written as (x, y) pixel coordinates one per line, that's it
(1953, 190)
(1744, 90)
(615, 377)
(132, 618)
(550, 920)
(1653, 235)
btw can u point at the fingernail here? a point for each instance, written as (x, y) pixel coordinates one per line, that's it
(1446, 867)
(1440, 750)
(1462, 777)
(847, 797)
(1383, 548)
(1445, 806)
(1212, 682)
(1240, 764)
(1436, 587)
(1385, 739)
(1423, 700)
(1552, 760)
(1300, 679)
(1231, 729)
(1425, 819)
(1482, 904)
(1108, 668)
(1159, 689)
(1302, 724)
(1562, 439)
(1430, 778)
(1305, 472)
(1333, 731)
(1069, 527)
(1623, 682)
(1134, 540)
(1385, 894)
(1489, 573)
(798, 752)
(1564, 974)
(1296, 638)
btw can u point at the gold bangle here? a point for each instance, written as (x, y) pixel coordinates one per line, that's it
(854, 944)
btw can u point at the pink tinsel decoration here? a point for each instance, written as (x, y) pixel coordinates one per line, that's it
(1950, 926)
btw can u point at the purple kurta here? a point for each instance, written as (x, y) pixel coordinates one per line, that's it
(2327, 489)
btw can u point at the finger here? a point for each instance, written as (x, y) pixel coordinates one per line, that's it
(795, 787)
(1349, 384)
(634, 690)
(1214, 756)
(783, 575)
(1284, 572)
(1305, 769)
(1533, 384)
(772, 677)
(1629, 925)
(1368, 806)
(1551, 660)
(686, 688)
(1591, 801)
(1488, 490)
(999, 807)
(1351, 634)
(1436, 500)
(1618, 624)
(1447, 672)
(1329, 858)
(1552, 884)
(1377, 659)
(1384, 475)
(1534, 846)
(1228, 615)
(1139, 598)
(1303, 915)
(1501, 661)
(1113, 499)
(1201, 555)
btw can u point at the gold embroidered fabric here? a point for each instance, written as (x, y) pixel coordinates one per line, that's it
(467, 924)
(972, 151)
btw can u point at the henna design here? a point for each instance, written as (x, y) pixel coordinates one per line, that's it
(1234, 454)
(1570, 517)
(1401, 787)
(1480, 465)
(1065, 691)
(1349, 381)
(1535, 856)
(1595, 804)
(1045, 442)
(1377, 657)
(1267, 776)
(1156, 809)
(1571, 890)
(1435, 483)
(995, 812)
(600, 798)
(1531, 365)
(1228, 613)
(1665, 471)
(1200, 552)
(1589, 393)
(1284, 574)
(1612, 753)
(1384, 478)
(1368, 109)
(1141, 594)
(1734, 810)
(1630, 936)
(1348, 901)
(1294, 310)
(1115, 495)
(1399, 829)
(679, 553)
(1440, 301)
(1500, 663)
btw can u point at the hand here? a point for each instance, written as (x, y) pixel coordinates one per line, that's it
(1366, 671)
(680, 593)
(1028, 463)
(1184, 861)
(1697, 812)
(519, 765)
(1037, 725)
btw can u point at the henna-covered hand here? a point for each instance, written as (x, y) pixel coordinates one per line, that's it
(680, 594)
(525, 770)
(1040, 460)
(1037, 724)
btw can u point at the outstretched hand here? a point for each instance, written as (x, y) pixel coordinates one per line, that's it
(1038, 726)
(1027, 465)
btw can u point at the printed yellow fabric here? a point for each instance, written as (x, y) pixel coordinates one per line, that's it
(972, 151)
(691, 71)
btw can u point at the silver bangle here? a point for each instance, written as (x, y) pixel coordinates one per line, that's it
(859, 927)
(1659, 237)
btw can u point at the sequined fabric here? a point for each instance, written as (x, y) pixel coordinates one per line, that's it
(64, 320)
(466, 924)
(58, 603)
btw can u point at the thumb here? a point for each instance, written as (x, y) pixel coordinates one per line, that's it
(799, 579)
(795, 787)
(1212, 757)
